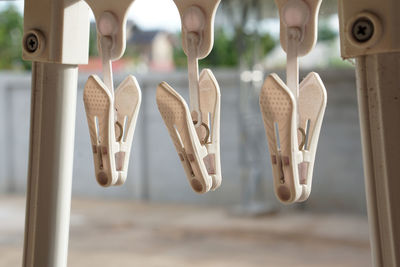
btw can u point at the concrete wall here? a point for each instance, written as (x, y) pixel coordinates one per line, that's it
(155, 171)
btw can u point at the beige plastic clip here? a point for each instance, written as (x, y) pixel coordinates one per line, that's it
(293, 114)
(111, 116)
(195, 132)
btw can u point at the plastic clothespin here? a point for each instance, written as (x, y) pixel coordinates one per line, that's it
(111, 116)
(195, 131)
(293, 113)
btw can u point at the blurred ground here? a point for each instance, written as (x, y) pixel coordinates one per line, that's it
(107, 233)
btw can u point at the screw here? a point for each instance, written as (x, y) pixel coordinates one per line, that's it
(363, 30)
(31, 43)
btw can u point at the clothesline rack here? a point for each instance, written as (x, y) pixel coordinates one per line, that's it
(56, 36)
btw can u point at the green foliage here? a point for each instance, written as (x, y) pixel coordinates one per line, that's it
(227, 51)
(325, 32)
(253, 47)
(267, 44)
(93, 41)
(338, 63)
(11, 30)
(179, 57)
(224, 53)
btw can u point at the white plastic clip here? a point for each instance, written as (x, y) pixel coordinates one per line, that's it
(195, 132)
(111, 117)
(293, 114)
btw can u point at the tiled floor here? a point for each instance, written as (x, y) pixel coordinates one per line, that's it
(106, 233)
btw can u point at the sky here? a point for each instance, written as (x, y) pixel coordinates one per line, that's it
(163, 15)
(148, 14)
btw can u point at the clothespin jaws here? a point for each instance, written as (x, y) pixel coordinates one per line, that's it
(195, 130)
(111, 115)
(293, 112)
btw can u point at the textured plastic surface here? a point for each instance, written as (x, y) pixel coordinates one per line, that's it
(98, 107)
(200, 157)
(111, 147)
(292, 167)
(385, 18)
(128, 98)
(311, 106)
(278, 107)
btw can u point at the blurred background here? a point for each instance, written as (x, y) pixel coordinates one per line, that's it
(155, 219)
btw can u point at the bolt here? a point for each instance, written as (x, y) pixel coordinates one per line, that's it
(363, 30)
(31, 43)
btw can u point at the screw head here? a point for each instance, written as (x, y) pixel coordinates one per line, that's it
(31, 43)
(363, 30)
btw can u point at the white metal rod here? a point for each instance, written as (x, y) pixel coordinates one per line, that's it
(53, 107)
(292, 65)
(378, 81)
(193, 72)
(365, 126)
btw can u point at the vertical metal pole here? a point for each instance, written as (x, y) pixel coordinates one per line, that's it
(54, 89)
(144, 146)
(378, 82)
(369, 33)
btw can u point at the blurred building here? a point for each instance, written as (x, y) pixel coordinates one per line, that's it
(146, 50)
(151, 48)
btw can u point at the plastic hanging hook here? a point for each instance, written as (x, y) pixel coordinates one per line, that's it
(193, 22)
(107, 27)
(296, 14)
(195, 132)
(293, 113)
(111, 116)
